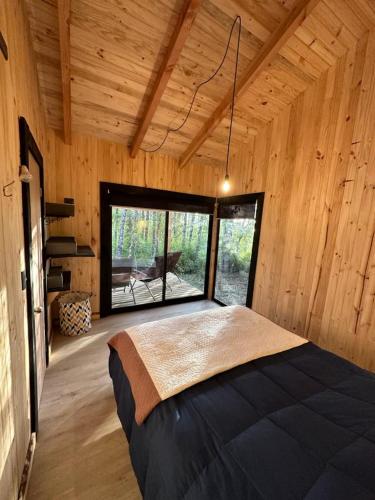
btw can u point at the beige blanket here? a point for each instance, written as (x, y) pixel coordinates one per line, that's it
(162, 358)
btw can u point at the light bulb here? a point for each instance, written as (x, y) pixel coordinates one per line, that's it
(226, 184)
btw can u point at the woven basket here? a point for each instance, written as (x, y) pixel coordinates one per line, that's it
(75, 313)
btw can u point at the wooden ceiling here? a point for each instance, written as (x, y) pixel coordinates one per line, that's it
(117, 48)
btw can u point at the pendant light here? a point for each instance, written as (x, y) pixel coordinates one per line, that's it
(226, 183)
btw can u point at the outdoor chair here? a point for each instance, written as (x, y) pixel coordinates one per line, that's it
(122, 272)
(172, 261)
(155, 272)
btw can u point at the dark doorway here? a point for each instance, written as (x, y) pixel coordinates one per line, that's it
(35, 266)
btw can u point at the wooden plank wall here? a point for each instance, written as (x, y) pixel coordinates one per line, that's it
(19, 95)
(315, 161)
(316, 269)
(316, 266)
(76, 170)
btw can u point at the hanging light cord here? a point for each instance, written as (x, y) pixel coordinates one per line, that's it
(176, 129)
(233, 95)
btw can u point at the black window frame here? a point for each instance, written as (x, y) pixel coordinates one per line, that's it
(112, 194)
(252, 198)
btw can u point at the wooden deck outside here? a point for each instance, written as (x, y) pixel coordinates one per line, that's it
(175, 289)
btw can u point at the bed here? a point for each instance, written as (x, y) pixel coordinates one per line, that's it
(295, 424)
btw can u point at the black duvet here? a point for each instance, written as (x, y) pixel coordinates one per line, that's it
(298, 424)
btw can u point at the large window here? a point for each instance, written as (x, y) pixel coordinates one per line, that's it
(159, 247)
(237, 246)
(188, 243)
(233, 260)
(138, 253)
(156, 247)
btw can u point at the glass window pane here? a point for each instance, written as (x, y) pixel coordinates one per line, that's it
(137, 256)
(187, 254)
(235, 246)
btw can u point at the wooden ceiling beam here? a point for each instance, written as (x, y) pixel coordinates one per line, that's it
(269, 50)
(176, 44)
(63, 8)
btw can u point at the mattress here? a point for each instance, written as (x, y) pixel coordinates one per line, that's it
(297, 424)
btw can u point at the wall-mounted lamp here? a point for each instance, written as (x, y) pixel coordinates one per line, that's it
(25, 175)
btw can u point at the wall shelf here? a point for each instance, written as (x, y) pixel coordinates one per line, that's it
(66, 283)
(61, 247)
(56, 211)
(82, 251)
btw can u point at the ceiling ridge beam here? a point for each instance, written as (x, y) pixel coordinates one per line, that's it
(63, 8)
(271, 47)
(176, 44)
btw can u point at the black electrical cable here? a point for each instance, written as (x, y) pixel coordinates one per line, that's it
(176, 129)
(233, 95)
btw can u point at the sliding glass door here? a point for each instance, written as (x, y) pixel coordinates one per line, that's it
(239, 220)
(158, 250)
(138, 247)
(187, 254)
(137, 256)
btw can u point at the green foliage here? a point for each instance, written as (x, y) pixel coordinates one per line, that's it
(139, 233)
(235, 245)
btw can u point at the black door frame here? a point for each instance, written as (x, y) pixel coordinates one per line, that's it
(137, 197)
(29, 146)
(257, 198)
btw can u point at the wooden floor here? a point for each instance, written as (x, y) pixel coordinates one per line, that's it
(176, 288)
(81, 451)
